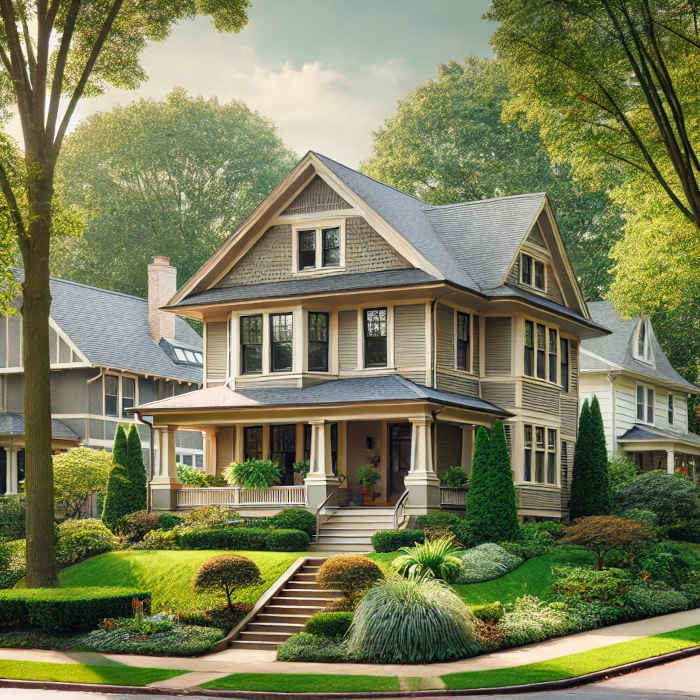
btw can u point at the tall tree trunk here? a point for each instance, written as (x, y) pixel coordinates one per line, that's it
(41, 555)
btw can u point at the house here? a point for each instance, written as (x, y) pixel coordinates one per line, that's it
(109, 352)
(642, 398)
(348, 323)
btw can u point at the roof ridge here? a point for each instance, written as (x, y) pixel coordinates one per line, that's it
(470, 202)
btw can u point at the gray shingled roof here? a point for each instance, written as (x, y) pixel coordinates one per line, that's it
(13, 424)
(112, 330)
(645, 432)
(617, 348)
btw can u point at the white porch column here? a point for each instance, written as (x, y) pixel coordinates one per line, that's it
(421, 481)
(320, 479)
(670, 461)
(165, 482)
(12, 481)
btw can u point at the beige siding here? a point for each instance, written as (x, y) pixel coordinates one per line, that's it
(409, 335)
(534, 498)
(500, 393)
(224, 448)
(445, 337)
(476, 349)
(14, 335)
(64, 352)
(457, 384)
(567, 470)
(498, 346)
(53, 336)
(569, 415)
(317, 196)
(539, 397)
(347, 340)
(216, 352)
(367, 251)
(573, 367)
(417, 377)
(269, 381)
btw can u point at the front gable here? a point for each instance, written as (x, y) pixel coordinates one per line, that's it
(316, 197)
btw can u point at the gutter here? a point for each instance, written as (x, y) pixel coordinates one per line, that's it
(611, 378)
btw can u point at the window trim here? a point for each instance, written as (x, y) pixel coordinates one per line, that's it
(364, 311)
(531, 284)
(308, 340)
(120, 393)
(532, 446)
(547, 355)
(646, 388)
(318, 227)
(271, 317)
(242, 345)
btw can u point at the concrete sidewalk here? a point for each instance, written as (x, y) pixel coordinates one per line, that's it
(250, 661)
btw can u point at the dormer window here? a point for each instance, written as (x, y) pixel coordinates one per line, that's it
(642, 346)
(319, 248)
(532, 273)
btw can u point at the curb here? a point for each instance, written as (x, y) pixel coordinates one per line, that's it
(265, 695)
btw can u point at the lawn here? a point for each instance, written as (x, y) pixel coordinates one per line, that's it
(303, 683)
(81, 673)
(168, 575)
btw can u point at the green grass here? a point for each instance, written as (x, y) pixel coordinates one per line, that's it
(577, 664)
(168, 575)
(81, 673)
(303, 683)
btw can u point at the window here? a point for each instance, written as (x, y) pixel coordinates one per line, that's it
(307, 249)
(564, 363)
(331, 247)
(318, 341)
(529, 347)
(375, 327)
(645, 404)
(527, 471)
(128, 393)
(199, 461)
(532, 272)
(281, 336)
(111, 395)
(670, 409)
(463, 341)
(553, 355)
(252, 442)
(650, 405)
(544, 470)
(526, 270)
(642, 340)
(640, 403)
(540, 351)
(539, 275)
(551, 456)
(251, 344)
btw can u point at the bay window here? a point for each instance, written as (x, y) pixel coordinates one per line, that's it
(375, 333)
(281, 339)
(251, 344)
(543, 453)
(318, 341)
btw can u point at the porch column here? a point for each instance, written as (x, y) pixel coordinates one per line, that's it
(421, 481)
(670, 461)
(209, 435)
(12, 481)
(320, 480)
(165, 483)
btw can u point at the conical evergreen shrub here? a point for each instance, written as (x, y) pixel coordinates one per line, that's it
(119, 494)
(136, 469)
(120, 449)
(601, 498)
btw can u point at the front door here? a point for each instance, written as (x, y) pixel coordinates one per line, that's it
(283, 450)
(399, 457)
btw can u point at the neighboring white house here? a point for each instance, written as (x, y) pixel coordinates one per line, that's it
(642, 398)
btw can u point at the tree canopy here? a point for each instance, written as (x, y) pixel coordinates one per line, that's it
(447, 143)
(173, 178)
(78, 474)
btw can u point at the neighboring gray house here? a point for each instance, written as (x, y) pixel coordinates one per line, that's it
(642, 398)
(109, 352)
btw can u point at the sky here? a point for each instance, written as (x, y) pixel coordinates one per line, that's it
(326, 72)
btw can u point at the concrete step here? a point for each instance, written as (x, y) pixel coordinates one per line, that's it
(301, 601)
(345, 531)
(278, 637)
(306, 584)
(248, 644)
(306, 576)
(343, 539)
(341, 548)
(363, 510)
(314, 562)
(316, 593)
(290, 619)
(279, 610)
(274, 627)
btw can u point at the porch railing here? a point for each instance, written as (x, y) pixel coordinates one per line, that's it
(236, 496)
(453, 496)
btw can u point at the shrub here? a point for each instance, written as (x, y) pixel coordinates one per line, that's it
(80, 539)
(78, 474)
(287, 541)
(12, 517)
(645, 600)
(221, 617)
(412, 621)
(590, 584)
(168, 521)
(443, 519)
(119, 495)
(295, 519)
(309, 647)
(646, 517)
(488, 612)
(157, 539)
(209, 516)
(66, 609)
(433, 558)
(224, 538)
(393, 540)
(229, 571)
(334, 624)
(190, 476)
(136, 470)
(601, 533)
(532, 620)
(670, 496)
(350, 573)
(685, 530)
(437, 533)
(534, 541)
(135, 525)
(455, 477)
(552, 527)
(254, 474)
(621, 471)
(486, 562)
(663, 562)
(13, 566)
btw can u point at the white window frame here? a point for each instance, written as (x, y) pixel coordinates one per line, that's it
(455, 324)
(535, 348)
(646, 389)
(647, 357)
(546, 450)
(531, 285)
(318, 226)
(120, 393)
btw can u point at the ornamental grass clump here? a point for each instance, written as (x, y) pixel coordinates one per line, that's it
(486, 562)
(412, 621)
(433, 559)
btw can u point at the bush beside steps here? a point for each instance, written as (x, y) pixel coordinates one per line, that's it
(238, 538)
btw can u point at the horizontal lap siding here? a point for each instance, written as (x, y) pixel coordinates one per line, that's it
(573, 367)
(567, 470)
(417, 377)
(347, 340)
(457, 384)
(500, 393)
(409, 335)
(533, 498)
(269, 381)
(216, 352)
(498, 346)
(569, 415)
(445, 354)
(538, 397)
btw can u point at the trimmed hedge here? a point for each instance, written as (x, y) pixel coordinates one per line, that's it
(254, 538)
(295, 519)
(329, 624)
(393, 540)
(66, 609)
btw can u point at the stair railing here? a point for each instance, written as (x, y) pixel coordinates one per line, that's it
(325, 502)
(400, 510)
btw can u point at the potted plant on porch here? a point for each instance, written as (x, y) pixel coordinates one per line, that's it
(368, 477)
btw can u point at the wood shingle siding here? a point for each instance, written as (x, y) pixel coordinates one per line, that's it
(501, 394)
(409, 335)
(498, 346)
(445, 337)
(367, 251)
(536, 237)
(317, 196)
(539, 397)
(534, 498)
(457, 384)
(216, 352)
(347, 340)
(569, 415)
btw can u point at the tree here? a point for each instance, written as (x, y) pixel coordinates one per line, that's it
(590, 488)
(136, 469)
(447, 143)
(492, 511)
(612, 85)
(601, 533)
(228, 571)
(78, 474)
(171, 177)
(52, 54)
(119, 499)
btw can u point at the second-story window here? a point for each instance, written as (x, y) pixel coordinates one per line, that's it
(670, 409)
(128, 393)
(463, 341)
(375, 329)
(319, 248)
(111, 395)
(251, 344)
(645, 404)
(318, 341)
(564, 369)
(307, 249)
(331, 247)
(540, 351)
(529, 348)
(553, 355)
(281, 339)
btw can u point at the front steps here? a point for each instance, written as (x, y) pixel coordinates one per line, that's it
(287, 612)
(351, 529)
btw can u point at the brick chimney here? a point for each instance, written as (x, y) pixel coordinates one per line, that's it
(162, 285)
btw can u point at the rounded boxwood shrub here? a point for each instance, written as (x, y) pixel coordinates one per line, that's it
(393, 540)
(350, 573)
(227, 572)
(287, 540)
(412, 621)
(488, 612)
(329, 624)
(645, 600)
(295, 519)
(79, 539)
(168, 521)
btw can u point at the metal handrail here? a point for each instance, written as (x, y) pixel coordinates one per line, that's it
(400, 507)
(334, 492)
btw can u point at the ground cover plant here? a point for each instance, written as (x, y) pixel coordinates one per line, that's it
(485, 562)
